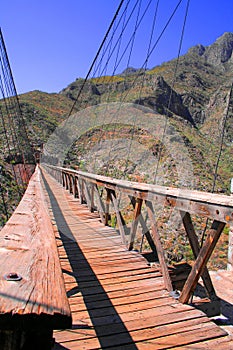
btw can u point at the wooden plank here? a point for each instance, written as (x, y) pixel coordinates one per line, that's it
(134, 325)
(155, 337)
(159, 247)
(201, 261)
(120, 301)
(111, 285)
(223, 343)
(114, 294)
(186, 335)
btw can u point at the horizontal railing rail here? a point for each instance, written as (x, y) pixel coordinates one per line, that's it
(33, 298)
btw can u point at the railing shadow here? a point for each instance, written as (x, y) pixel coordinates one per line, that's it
(109, 314)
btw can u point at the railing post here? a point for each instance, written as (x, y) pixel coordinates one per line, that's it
(76, 192)
(137, 213)
(63, 179)
(107, 203)
(159, 247)
(120, 220)
(230, 250)
(70, 177)
(100, 204)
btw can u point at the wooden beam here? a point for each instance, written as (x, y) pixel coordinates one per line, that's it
(70, 183)
(201, 261)
(87, 195)
(145, 230)
(120, 222)
(92, 197)
(137, 213)
(76, 192)
(66, 180)
(100, 204)
(107, 203)
(193, 240)
(159, 247)
(80, 194)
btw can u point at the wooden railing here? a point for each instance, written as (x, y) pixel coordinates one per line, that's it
(98, 192)
(33, 298)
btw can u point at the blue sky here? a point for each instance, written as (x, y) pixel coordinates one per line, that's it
(50, 43)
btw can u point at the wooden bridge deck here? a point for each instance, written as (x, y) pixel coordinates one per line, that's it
(117, 300)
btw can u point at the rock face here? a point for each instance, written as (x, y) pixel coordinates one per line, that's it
(165, 100)
(201, 73)
(221, 51)
(218, 53)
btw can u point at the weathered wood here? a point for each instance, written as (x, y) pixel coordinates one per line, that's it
(63, 176)
(159, 247)
(100, 204)
(193, 240)
(119, 217)
(216, 206)
(37, 301)
(75, 186)
(87, 196)
(118, 301)
(137, 213)
(80, 191)
(66, 181)
(70, 177)
(107, 204)
(201, 261)
(145, 231)
(92, 198)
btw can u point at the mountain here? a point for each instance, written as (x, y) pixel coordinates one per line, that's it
(194, 103)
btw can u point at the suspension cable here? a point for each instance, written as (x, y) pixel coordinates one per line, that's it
(171, 91)
(144, 74)
(225, 117)
(97, 55)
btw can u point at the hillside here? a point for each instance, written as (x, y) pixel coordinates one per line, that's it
(199, 97)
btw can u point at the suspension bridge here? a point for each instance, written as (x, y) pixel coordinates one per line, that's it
(83, 263)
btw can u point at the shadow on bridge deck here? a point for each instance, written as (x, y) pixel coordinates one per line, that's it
(83, 272)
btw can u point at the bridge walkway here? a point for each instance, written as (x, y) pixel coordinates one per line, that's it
(117, 300)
